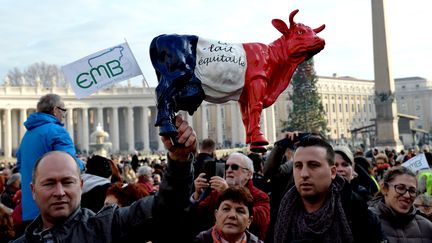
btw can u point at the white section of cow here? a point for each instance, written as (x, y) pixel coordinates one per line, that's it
(221, 67)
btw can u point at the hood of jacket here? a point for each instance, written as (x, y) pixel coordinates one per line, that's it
(38, 119)
(92, 181)
(396, 219)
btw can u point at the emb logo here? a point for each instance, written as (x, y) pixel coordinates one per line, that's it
(111, 69)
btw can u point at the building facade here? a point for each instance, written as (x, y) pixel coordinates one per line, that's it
(414, 97)
(348, 103)
(128, 114)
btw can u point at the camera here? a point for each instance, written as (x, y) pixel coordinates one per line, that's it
(214, 168)
(291, 143)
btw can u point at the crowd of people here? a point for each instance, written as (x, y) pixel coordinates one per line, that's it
(302, 190)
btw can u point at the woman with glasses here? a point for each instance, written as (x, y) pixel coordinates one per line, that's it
(394, 206)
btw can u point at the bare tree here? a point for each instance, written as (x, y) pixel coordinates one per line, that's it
(49, 75)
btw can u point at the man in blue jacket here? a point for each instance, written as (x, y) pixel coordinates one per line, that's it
(45, 133)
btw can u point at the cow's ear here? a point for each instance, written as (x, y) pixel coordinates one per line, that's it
(281, 26)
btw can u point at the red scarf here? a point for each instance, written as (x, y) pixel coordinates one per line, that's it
(218, 238)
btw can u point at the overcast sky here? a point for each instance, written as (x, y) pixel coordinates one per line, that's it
(60, 32)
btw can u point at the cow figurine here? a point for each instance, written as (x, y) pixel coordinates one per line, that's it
(191, 69)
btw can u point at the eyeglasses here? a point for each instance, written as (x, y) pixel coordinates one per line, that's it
(62, 109)
(401, 189)
(234, 167)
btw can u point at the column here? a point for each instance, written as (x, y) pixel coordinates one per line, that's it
(159, 141)
(242, 130)
(69, 122)
(204, 123)
(8, 134)
(271, 124)
(100, 117)
(235, 124)
(115, 130)
(79, 135)
(263, 124)
(23, 118)
(15, 119)
(85, 143)
(219, 121)
(145, 128)
(387, 130)
(130, 129)
(1, 128)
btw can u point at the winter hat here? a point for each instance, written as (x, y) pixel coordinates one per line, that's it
(13, 178)
(100, 166)
(346, 153)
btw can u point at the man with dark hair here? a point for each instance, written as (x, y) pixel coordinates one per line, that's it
(45, 132)
(206, 154)
(57, 188)
(320, 207)
(258, 176)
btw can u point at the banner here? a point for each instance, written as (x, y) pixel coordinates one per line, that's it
(101, 69)
(416, 163)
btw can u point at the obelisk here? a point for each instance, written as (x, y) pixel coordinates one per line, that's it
(386, 123)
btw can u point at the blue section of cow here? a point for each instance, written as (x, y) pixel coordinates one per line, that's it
(174, 58)
(174, 55)
(104, 53)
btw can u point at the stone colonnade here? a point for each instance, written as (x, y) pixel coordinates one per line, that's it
(126, 113)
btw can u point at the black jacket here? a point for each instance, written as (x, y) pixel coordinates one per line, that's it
(365, 225)
(149, 217)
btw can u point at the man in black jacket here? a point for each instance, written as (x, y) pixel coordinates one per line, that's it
(206, 155)
(57, 186)
(321, 207)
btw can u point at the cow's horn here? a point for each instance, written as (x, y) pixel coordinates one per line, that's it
(319, 29)
(291, 17)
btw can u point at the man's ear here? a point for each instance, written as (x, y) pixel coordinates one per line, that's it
(333, 171)
(32, 190)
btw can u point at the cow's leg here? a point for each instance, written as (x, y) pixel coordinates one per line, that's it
(255, 91)
(245, 117)
(165, 115)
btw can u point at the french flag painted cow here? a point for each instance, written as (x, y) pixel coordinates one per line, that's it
(191, 69)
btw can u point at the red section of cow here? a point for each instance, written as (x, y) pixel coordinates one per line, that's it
(269, 71)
